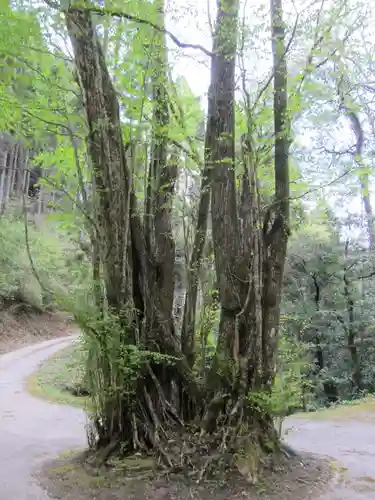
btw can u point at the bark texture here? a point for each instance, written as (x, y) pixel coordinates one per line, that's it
(137, 259)
(136, 276)
(106, 151)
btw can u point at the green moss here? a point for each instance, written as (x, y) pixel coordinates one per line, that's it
(59, 375)
(362, 409)
(63, 469)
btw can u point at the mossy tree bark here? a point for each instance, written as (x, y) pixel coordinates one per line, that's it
(249, 260)
(137, 262)
(137, 258)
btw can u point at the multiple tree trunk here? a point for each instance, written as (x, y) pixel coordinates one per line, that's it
(18, 177)
(137, 257)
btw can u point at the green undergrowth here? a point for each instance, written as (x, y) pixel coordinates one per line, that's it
(42, 271)
(60, 378)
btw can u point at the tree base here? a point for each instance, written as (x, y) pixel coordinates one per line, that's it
(138, 478)
(163, 415)
(193, 451)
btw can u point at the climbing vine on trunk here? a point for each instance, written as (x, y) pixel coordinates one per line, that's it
(163, 406)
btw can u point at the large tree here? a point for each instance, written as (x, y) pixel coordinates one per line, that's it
(148, 392)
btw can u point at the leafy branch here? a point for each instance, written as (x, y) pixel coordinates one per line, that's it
(101, 11)
(72, 199)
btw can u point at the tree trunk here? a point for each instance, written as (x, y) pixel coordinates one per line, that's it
(366, 200)
(319, 358)
(276, 239)
(220, 158)
(106, 151)
(165, 169)
(249, 266)
(358, 158)
(189, 318)
(133, 413)
(350, 329)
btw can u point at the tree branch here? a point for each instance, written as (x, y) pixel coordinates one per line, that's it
(28, 249)
(71, 198)
(100, 11)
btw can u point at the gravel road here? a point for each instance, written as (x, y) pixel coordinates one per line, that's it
(31, 430)
(349, 443)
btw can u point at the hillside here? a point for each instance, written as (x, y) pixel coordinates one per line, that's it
(21, 326)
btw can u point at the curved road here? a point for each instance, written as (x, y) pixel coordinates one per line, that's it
(31, 430)
(349, 443)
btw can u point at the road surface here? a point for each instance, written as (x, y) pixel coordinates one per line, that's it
(348, 443)
(31, 430)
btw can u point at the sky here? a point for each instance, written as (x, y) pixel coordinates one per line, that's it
(189, 21)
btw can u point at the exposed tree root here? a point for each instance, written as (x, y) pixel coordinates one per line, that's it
(237, 437)
(199, 455)
(288, 451)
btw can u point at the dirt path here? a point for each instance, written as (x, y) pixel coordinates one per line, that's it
(349, 443)
(31, 430)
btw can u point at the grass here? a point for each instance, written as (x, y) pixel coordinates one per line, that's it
(361, 408)
(63, 372)
(59, 375)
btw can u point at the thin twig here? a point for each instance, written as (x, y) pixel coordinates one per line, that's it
(100, 11)
(28, 249)
(71, 198)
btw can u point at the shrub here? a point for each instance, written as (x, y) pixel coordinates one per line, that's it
(52, 257)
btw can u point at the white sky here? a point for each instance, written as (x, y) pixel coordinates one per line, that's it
(190, 24)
